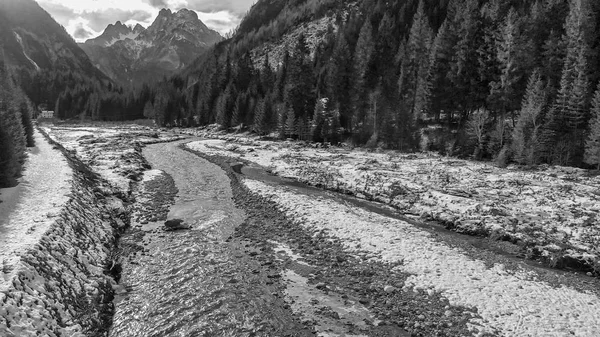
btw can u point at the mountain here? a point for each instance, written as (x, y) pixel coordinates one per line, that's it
(116, 32)
(40, 54)
(137, 55)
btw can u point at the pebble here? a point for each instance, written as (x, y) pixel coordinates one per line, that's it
(389, 289)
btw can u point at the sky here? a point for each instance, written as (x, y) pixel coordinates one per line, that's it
(85, 19)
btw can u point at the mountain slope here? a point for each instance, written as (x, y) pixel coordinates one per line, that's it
(133, 56)
(42, 55)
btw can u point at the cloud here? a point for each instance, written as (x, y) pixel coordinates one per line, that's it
(222, 21)
(81, 33)
(237, 7)
(85, 19)
(158, 3)
(99, 20)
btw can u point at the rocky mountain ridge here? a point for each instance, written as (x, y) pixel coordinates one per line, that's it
(131, 56)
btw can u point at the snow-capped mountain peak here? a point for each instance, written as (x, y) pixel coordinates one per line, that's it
(135, 54)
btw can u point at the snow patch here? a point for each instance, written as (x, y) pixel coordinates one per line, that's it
(28, 210)
(20, 40)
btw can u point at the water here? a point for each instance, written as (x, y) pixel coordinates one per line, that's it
(193, 283)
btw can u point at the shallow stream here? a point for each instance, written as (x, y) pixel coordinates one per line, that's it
(193, 283)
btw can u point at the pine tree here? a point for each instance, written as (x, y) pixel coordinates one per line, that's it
(340, 78)
(149, 110)
(239, 109)
(319, 119)
(463, 74)
(290, 123)
(225, 105)
(525, 135)
(363, 57)
(414, 85)
(12, 137)
(281, 113)
(260, 118)
(503, 94)
(267, 76)
(592, 144)
(563, 136)
(299, 82)
(439, 59)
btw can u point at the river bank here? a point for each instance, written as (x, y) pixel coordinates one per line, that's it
(56, 281)
(269, 255)
(548, 214)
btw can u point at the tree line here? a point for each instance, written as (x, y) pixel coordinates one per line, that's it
(16, 128)
(501, 79)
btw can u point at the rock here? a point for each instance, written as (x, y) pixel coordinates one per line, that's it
(237, 167)
(321, 286)
(176, 224)
(389, 289)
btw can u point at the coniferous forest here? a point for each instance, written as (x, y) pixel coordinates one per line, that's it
(16, 128)
(503, 80)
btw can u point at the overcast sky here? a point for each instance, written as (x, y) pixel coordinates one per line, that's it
(86, 19)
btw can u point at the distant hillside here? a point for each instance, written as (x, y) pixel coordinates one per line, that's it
(40, 53)
(505, 80)
(512, 81)
(137, 55)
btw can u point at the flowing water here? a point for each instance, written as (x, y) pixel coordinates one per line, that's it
(194, 283)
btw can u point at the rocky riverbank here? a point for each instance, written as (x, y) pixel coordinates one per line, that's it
(62, 286)
(329, 288)
(547, 214)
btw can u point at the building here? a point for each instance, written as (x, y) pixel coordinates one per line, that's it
(47, 114)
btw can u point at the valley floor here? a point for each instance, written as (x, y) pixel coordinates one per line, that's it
(270, 255)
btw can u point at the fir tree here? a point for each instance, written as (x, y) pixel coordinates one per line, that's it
(363, 56)
(340, 78)
(290, 123)
(592, 144)
(525, 135)
(148, 110)
(415, 89)
(260, 118)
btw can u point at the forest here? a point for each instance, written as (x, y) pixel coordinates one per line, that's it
(504, 80)
(16, 128)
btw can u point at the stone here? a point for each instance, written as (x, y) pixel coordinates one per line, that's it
(237, 167)
(389, 289)
(176, 224)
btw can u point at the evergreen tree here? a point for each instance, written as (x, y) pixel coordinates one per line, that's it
(415, 87)
(267, 77)
(149, 110)
(290, 123)
(299, 82)
(525, 135)
(340, 78)
(363, 57)
(592, 145)
(503, 93)
(260, 125)
(225, 105)
(563, 136)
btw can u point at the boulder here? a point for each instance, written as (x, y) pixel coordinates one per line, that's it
(237, 167)
(176, 224)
